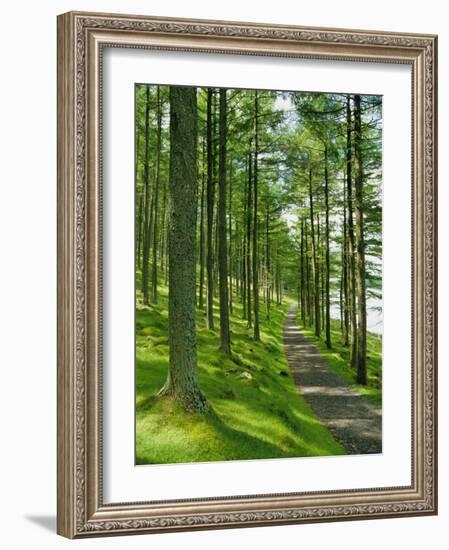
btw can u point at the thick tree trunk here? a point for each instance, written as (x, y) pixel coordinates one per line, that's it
(360, 240)
(210, 214)
(351, 240)
(326, 204)
(182, 382)
(256, 335)
(315, 272)
(225, 338)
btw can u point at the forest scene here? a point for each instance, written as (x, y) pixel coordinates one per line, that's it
(258, 276)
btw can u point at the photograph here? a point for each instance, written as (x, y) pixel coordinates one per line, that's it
(258, 274)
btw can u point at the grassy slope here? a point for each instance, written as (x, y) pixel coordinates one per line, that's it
(338, 358)
(257, 411)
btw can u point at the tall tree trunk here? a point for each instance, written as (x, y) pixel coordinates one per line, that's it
(216, 287)
(244, 251)
(166, 258)
(342, 325)
(320, 270)
(360, 240)
(267, 260)
(351, 240)
(256, 335)
(139, 230)
(163, 232)
(309, 309)
(225, 338)
(146, 233)
(326, 204)
(182, 380)
(315, 272)
(248, 237)
(156, 198)
(201, 291)
(237, 260)
(231, 252)
(139, 213)
(215, 142)
(345, 272)
(210, 213)
(302, 276)
(276, 281)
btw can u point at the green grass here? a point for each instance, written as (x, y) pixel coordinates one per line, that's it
(256, 410)
(338, 359)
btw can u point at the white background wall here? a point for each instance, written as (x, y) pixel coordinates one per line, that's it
(28, 271)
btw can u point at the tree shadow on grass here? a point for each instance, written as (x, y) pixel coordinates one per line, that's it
(254, 447)
(238, 429)
(198, 437)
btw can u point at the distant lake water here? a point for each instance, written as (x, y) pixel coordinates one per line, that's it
(374, 314)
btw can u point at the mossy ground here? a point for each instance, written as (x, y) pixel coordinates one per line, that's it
(256, 410)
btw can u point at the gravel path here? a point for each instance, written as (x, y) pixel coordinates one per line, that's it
(351, 418)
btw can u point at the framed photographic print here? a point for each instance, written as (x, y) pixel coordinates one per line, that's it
(246, 274)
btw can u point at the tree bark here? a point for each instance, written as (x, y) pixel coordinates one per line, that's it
(146, 232)
(345, 272)
(201, 290)
(267, 261)
(248, 237)
(326, 204)
(163, 231)
(210, 214)
(351, 240)
(256, 335)
(182, 381)
(244, 251)
(139, 230)
(139, 196)
(360, 240)
(320, 270)
(309, 309)
(225, 338)
(231, 259)
(315, 273)
(302, 276)
(156, 198)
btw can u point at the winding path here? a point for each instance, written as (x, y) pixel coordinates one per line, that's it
(351, 418)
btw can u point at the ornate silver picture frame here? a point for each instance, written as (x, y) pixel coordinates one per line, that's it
(82, 39)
